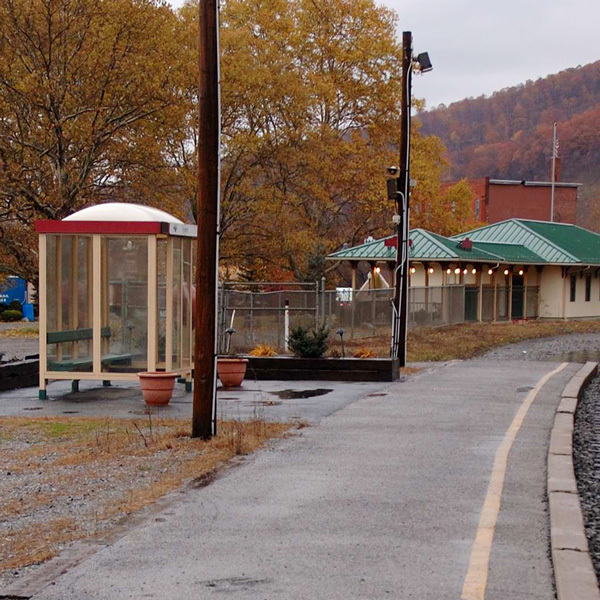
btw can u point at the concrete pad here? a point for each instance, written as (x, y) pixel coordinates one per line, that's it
(561, 474)
(273, 400)
(566, 522)
(567, 405)
(575, 576)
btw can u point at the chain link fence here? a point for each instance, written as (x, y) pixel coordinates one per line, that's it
(267, 317)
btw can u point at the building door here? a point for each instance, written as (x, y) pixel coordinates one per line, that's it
(471, 299)
(517, 296)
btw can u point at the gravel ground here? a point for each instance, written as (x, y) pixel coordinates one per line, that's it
(17, 347)
(587, 465)
(576, 347)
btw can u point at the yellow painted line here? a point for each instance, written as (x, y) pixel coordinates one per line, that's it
(476, 579)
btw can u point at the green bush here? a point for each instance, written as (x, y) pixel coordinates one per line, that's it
(11, 315)
(15, 305)
(308, 344)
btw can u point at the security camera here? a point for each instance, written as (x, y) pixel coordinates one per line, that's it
(393, 171)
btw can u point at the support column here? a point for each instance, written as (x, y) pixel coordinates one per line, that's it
(525, 295)
(480, 297)
(494, 273)
(97, 304)
(169, 311)
(43, 320)
(510, 289)
(152, 303)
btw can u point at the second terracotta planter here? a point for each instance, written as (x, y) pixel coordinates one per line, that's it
(231, 371)
(157, 387)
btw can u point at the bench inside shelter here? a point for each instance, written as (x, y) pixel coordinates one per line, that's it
(71, 362)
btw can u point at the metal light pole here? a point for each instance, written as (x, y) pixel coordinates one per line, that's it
(204, 405)
(402, 194)
(403, 210)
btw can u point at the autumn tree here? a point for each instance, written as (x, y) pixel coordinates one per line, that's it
(309, 120)
(86, 86)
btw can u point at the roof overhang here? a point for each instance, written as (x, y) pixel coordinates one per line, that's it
(116, 228)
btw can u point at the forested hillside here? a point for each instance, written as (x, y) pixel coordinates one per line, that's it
(509, 135)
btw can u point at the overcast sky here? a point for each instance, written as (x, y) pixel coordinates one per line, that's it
(481, 46)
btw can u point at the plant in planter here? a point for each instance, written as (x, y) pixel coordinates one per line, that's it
(263, 350)
(157, 387)
(305, 343)
(231, 369)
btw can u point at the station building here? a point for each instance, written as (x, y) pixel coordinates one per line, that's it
(514, 269)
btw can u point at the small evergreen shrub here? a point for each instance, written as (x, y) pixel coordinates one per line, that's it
(11, 315)
(306, 343)
(15, 305)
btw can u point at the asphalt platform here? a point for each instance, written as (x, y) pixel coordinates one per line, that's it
(380, 498)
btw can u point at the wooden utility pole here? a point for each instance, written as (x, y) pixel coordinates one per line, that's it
(403, 204)
(204, 407)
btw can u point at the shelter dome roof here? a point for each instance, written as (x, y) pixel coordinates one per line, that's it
(122, 211)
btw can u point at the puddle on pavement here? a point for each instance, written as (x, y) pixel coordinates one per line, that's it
(300, 394)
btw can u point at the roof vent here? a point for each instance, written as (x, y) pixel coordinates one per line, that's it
(369, 239)
(465, 244)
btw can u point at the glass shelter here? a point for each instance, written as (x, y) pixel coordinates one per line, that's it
(116, 294)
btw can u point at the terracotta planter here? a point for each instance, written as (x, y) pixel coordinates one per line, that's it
(157, 388)
(231, 371)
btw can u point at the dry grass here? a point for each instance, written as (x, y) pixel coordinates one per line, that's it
(68, 479)
(20, 332)
(468, 340)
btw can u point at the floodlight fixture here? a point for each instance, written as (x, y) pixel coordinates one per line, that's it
(424, 62)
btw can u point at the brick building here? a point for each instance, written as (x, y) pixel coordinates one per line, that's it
(501, 199)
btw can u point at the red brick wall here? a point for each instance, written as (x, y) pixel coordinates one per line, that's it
(531, 202)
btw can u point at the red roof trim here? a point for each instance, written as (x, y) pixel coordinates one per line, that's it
(108, 227)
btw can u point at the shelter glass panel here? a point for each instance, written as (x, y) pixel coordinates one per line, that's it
(161, 266)
(177, 301)
(69, 302)
(124, 304)
(186, 313)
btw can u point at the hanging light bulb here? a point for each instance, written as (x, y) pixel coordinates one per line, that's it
(412, 269)
(490, 272)
(457, 270)
(377, 269)
(520, 271)
(506, 271)
(465, 271)
(448, 271)
(430, 270)
(474, 271)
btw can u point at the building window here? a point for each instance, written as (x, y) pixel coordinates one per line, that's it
(588, 288)
(477, 208)
(573, 287)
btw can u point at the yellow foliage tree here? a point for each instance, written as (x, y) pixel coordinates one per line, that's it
(85, 88)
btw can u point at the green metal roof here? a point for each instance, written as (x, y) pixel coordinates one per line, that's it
(515, 241)
(376, 250)
(513, 253)
(516, 231)
(580, 243)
